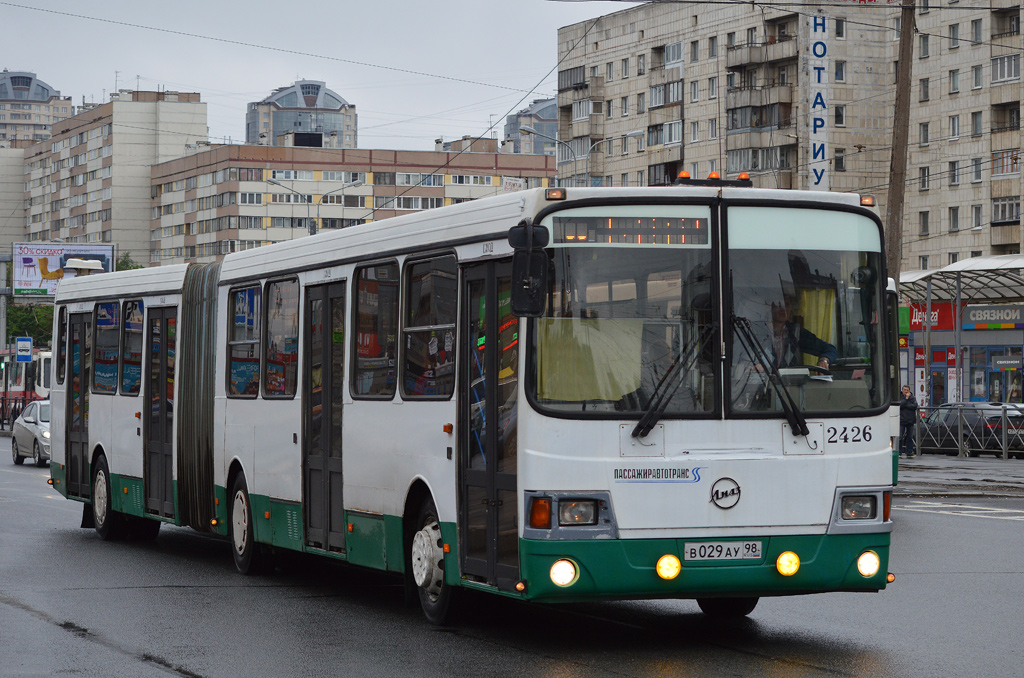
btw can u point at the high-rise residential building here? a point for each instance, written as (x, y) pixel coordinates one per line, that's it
(314, 115)
(802, 96)
(542, 116)
(91, 181)
(29, 107)
(229, 198)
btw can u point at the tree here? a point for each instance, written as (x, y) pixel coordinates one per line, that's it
(35, 320)
(126, 263)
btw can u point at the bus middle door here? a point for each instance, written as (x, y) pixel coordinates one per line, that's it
(488, 519)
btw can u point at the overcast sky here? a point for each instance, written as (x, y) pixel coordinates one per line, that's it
(415, 71)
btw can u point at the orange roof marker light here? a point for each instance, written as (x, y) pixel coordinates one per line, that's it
(714, 175)
(683, 174)
(867, 200)
(555, 194)
(743, 176)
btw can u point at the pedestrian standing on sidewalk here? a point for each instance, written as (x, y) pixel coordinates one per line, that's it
(908, 418)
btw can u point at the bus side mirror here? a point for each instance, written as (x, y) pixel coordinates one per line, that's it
(529, 283)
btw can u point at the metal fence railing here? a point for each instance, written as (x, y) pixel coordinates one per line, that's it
(971, 429)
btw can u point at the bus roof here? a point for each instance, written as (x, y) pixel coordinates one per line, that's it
(138, 282)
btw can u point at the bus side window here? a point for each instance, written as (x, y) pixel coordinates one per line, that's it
(62, 343)
(244, 342)
(106, 347)
(376, 327)
(428, 331)
(281, 361)
(131, 348)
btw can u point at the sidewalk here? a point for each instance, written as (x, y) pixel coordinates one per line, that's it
(936, 474)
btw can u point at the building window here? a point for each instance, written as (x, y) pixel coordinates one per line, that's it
(954, 81)
(625, 68)
(695, 170)
(641, 64)
(1006, 162)
(713, 47)
(640, 178)
(975, 216)
(657, 96)
(840, 160)
(924, 178)
(975, 169)
(694, 90)
(954, 127)
(840, 71)
(673, 53)
(954, 219)
(954, 36)
(924, 90)
(730, 40)
(976, 31)
(1006, 68)
(976, 124)
(954, 257)
(625, 106)
(608, 108)
(840, 113)
(922, 221)
(924, 262)
(923, 133)
(841, 29)
(1006, 210)
(954, 172)
(976, 77)
(924, 46)
(713, 88)
(674, 132)
(694, 51)
(640, 102)
(609, 69)
(694, 131)
(975, 253)
(713, 128)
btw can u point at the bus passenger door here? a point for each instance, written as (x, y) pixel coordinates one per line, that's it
(324, 385)
(158, 468)
(488, 519)
(76, 453)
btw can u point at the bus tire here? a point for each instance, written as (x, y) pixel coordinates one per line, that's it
(427, 561)
(243, 543)
(15, 455)
(727, 608)
(107, 522)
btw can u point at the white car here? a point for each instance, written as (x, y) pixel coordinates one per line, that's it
(30, 434)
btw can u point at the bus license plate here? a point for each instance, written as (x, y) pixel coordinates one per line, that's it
(722, 550)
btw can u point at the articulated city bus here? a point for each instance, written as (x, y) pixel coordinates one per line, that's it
(556, 395)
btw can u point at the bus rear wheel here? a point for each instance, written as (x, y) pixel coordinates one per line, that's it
(108, 523)
(427, 561)
(243, 543)
(727, 608)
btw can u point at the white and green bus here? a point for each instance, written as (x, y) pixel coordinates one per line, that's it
(554, 395)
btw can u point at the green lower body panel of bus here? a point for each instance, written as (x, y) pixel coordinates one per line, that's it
(626, 568)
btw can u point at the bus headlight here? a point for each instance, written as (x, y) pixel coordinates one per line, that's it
(868, 564)
(668, 566)
(788, 563)
(564, 572)
(577, 512)
(859, 507)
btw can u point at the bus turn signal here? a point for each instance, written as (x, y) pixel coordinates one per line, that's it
(540, 513)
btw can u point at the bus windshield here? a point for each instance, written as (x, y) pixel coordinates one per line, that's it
(629, 302)
(808, 284)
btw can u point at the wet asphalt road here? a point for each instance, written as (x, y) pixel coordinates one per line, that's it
(73, 605)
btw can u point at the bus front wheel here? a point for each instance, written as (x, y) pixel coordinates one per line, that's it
(426, 556)
(727, 608)
(243, 544)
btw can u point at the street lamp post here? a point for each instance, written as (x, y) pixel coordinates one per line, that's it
(351, 184)
(630, 135)
(529, 130)
(312, 226)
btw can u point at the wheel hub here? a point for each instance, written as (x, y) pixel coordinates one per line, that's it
(239, 525)
(428, 558)
(99, 496)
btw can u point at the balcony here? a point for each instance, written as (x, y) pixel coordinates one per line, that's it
(1005, 234)
(743, 96)
(592, 126)
(776, 49)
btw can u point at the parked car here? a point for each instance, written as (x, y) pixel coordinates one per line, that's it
(30, 434)
(981, 431)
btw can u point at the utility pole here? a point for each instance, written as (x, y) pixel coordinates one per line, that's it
(900, 133)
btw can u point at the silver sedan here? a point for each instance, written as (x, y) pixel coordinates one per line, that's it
(30, 434)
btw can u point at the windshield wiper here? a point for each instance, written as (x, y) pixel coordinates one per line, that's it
(757, 354)
(669, 384)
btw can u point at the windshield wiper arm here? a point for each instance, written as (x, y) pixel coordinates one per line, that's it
(758, 354)
(665, 390)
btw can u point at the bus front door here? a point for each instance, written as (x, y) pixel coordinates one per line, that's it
(158, 468)
(488, 519)
(76, 453)
(324, 384)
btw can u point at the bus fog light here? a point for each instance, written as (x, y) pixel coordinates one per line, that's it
(577, 512)
(787, 564)
(868, 564)
(860, 507)
(669, 566)
(564, 572)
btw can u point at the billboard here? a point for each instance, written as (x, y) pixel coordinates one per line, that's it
(38, 267)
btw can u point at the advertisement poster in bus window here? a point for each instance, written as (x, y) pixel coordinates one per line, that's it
(131, 376)
(39, 268)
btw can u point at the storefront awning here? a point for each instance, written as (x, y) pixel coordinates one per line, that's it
(997, 278)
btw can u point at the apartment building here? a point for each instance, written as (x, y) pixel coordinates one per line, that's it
(230, 198)
(29, 108)
(964, 181)
(804, 98)
(91, 181)
(541, 115)
(306, 108)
